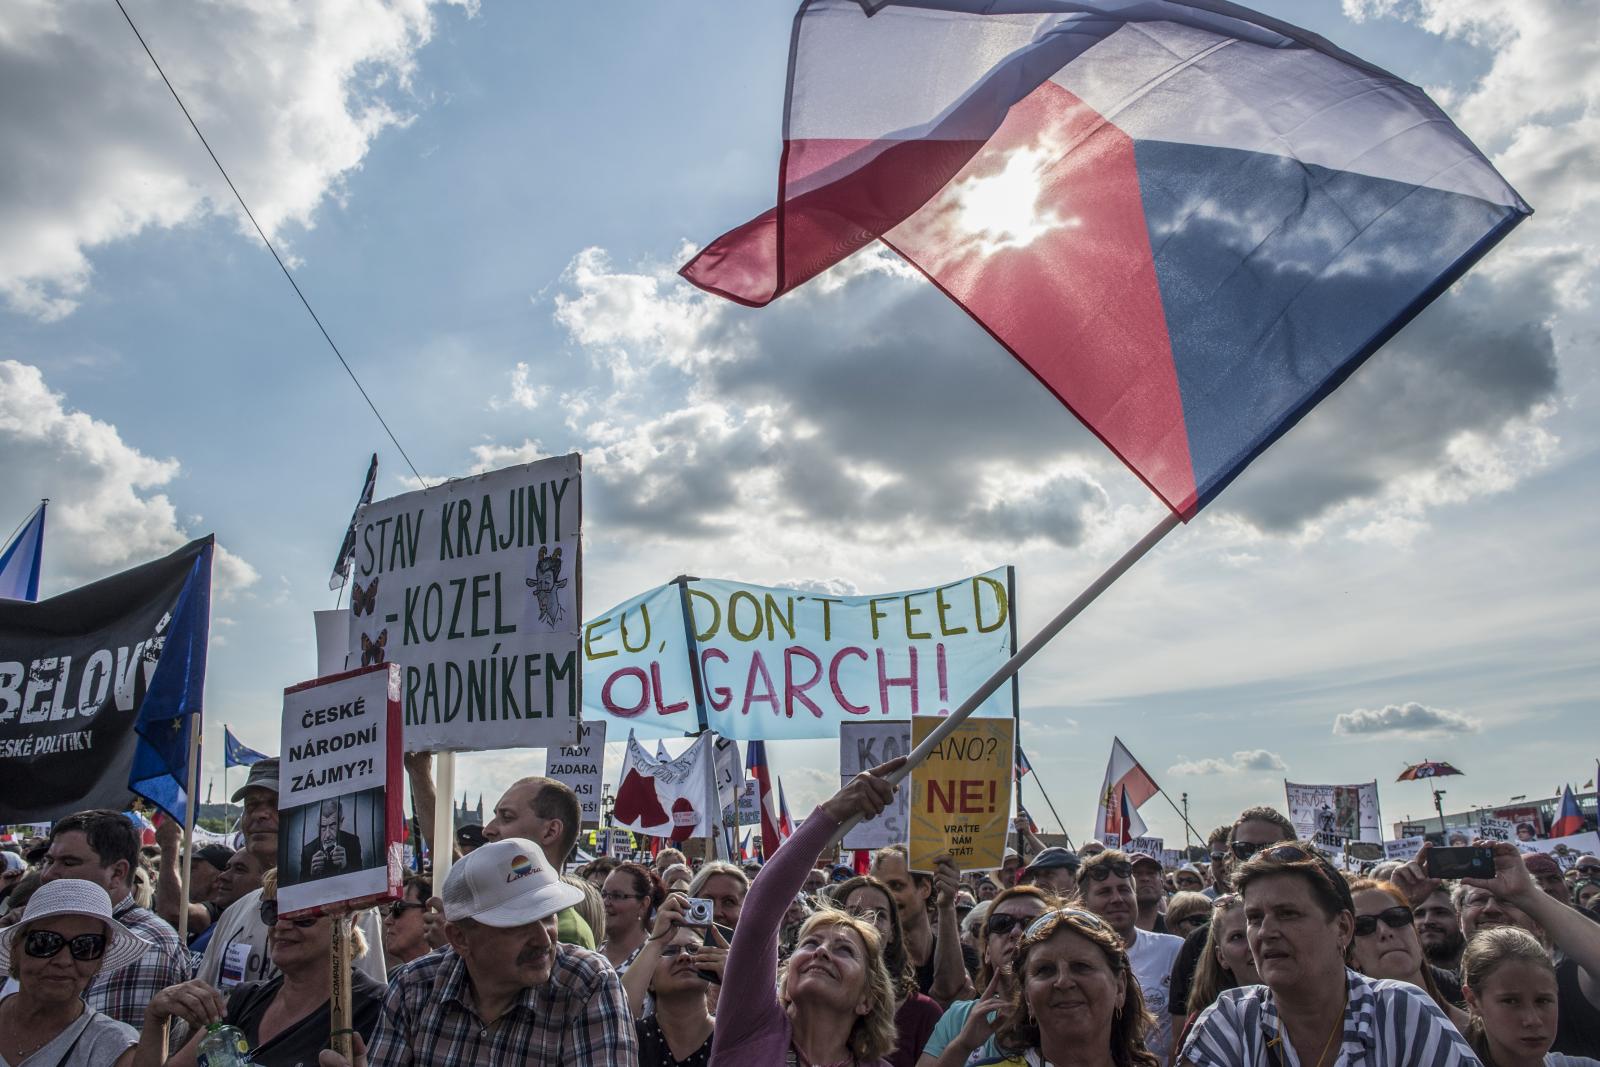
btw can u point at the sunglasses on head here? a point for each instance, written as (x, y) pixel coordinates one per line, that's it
(269, 916)
(1115, 869)
(1395, 918)
(43, 944)
(1050, 919)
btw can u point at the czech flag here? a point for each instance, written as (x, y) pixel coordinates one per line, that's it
(1126, 786)
(755, 761)
(1569, 819)
(1191, 222)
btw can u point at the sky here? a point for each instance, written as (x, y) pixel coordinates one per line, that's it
(487, 204)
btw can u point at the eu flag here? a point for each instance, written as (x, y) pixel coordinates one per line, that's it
(235, 753)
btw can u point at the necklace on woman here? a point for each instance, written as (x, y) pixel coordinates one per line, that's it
(1338, 1028)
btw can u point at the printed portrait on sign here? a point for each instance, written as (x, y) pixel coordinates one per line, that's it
(334, 836)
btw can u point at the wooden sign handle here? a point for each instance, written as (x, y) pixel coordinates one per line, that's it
(339, 997)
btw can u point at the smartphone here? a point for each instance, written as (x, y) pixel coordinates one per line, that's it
(1470, 861)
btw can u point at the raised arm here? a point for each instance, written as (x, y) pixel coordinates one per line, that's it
(1568, 929)
(752, 965)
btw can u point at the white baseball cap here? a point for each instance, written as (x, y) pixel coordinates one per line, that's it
(506, 883)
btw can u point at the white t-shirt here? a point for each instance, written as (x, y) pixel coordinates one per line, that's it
(1151, 956)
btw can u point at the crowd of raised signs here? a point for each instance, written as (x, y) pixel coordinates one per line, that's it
(1266, 955)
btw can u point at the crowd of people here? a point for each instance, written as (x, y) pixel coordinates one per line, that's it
(1263, 954)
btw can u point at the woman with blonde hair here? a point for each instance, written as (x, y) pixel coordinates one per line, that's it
(835, 1003)
(1077, 999)
(1225, 961)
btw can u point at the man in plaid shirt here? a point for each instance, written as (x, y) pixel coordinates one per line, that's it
(102, 847)
(504, 991)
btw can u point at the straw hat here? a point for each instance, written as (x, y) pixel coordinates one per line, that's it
(74, 896)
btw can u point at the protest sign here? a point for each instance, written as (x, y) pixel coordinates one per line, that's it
(961, 794)
(749, 813)
(863, 745)
(666, 797)
(1147, 846)
(74, 671)
(1413, 829)
(1491, 828)
(1402, 849)
(474, 588)
(1330, 815)
(1565, 850)
(1172, 858)
(777, 663)
(580, 766)
(1527, 821)
(340, 785)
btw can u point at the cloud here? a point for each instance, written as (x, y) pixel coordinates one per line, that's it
(1255, 759)
(106, 511)
(1408, 718)
(522, 394)
(290, 97)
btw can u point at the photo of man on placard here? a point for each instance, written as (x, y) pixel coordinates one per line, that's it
(334, 850)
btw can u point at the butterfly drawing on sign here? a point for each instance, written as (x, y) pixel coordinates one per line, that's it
(372, 651)
(362, 601)
(544, 583)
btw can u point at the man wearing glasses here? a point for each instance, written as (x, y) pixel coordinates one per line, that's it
(1106, 887)
(1313, 1010)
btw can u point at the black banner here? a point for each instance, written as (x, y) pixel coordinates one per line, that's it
(73, 673)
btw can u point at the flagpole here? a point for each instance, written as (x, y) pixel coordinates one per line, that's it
(190, 810)
(1181, 815)
(1169, 522)
(1059, 820)
(444, 817)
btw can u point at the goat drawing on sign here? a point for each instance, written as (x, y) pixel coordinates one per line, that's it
(545, 582)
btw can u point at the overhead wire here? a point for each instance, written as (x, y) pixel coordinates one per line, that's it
(264, 240)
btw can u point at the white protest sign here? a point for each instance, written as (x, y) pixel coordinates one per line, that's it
(579, 766)
(1402, 849)
(340, 786)
(862, 746)
(1172, 858)
(749, 806)
(1494, 829)
(474, 588)
(1146, 846)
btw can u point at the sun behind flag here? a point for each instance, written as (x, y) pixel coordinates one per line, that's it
(1189, 221)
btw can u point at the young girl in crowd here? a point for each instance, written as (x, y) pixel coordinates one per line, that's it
(1510, 986)
(1225, 962)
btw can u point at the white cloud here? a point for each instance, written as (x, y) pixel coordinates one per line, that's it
(1408, 718)
(290, 96)
(523, 393)
(106, 508)
(1255, 759)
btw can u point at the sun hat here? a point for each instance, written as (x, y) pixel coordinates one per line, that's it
(506, 883)
(263, 775)
(74, 896)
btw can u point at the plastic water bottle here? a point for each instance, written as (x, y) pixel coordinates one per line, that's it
(224, 1046)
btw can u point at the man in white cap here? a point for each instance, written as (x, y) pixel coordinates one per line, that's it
(237, 952)
(504, 991)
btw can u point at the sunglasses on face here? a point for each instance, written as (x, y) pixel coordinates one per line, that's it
(1243, 850)
(1103, 871)
(43, 944)
(1003, 924)
(1395, 918)
(1589, 870)
(269, 916)
(400, 907)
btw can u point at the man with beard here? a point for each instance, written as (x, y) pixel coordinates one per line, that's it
(504, 991)
(1106, 887)
(1439, 930)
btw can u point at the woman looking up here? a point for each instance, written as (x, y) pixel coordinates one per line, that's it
(836, 1002)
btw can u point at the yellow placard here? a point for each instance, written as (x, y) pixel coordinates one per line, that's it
(961, 794)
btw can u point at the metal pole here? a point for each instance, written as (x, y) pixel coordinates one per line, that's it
(444, 819)
(946, 727)
(1186, 833)
(191, 808)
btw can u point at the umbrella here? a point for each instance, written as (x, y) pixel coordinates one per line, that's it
(1430, 769)
(1426, 769)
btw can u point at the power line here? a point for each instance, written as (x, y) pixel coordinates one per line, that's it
(251, 216)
